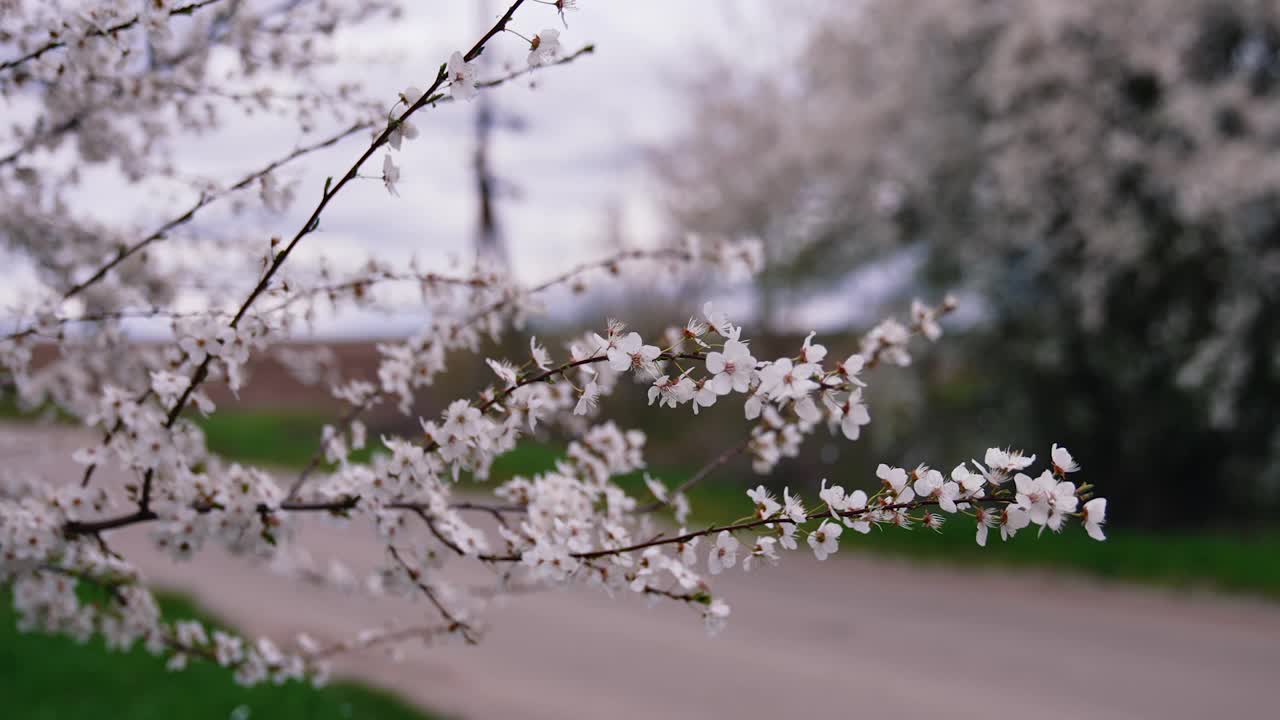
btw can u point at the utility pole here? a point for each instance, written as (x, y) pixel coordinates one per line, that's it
(489, 246)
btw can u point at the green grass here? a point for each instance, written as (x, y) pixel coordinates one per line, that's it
(283, 439)
(9, 410)
(55, 677)
(1241, 564)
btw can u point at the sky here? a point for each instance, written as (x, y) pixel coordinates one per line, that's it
(578, 150)
(573, 154)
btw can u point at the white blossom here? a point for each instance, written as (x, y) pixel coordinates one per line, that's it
(1095, 514)
(896, 480)
(724, 553)
(544, 47)
(732, 369)
(766, 505)
(630, 353)
(1012, 519)
(462, 77)
(390, 174)
(825, 540)
(793, 506)
(1063, 463)
(587, 399)
(541, 358)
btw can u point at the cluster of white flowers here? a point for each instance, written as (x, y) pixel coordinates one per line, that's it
(574, 524)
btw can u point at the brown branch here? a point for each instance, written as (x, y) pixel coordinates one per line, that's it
(749, 524)
(338, 506)
(414, 576)
(700, 475)
(318, 456)
(423, 632)
(145, 514)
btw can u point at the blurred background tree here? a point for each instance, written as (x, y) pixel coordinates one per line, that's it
(1102, 175)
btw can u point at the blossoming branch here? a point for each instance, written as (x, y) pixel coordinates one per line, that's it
(573, 525)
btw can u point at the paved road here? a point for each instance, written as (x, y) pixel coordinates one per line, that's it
(852, 637)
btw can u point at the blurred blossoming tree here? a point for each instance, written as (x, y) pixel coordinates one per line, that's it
(1104, 174)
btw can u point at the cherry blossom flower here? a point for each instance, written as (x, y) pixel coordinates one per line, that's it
(855, 502)
(970, 482)
(986, 518)
(1095, 514)
(925, 318)
(948, 495)
(807, 410)
(1007, 460)
(782, 379)
(850, 415)
(732, 369)
(811, 354)
(928, 482)
(462, 77)
(671, 392)
(541, 357)
(717, 613)
(724, 553)
(850, 368)
(681, 507)
(703, 395)
(201, 342)
(1063, 463)
(1012, 519)
(825, 540)
(544, 46)
(657, 488)
(793, 506)
(613, 335)
(787, 536)
(764, 549)
(718, 321)
(390, 174)
(503, 370)
(411, 95)
(587, 399)
(766, 506)
(233, 344)
(1046, 500)
(834, 498)
(630, 353)
(686, 550)
(92, 455)
(896, 480)
(401, 130)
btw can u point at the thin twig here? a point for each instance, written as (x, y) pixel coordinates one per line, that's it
(700, 475)
(430, 593)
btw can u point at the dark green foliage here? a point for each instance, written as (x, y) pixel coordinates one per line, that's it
(57, 678)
